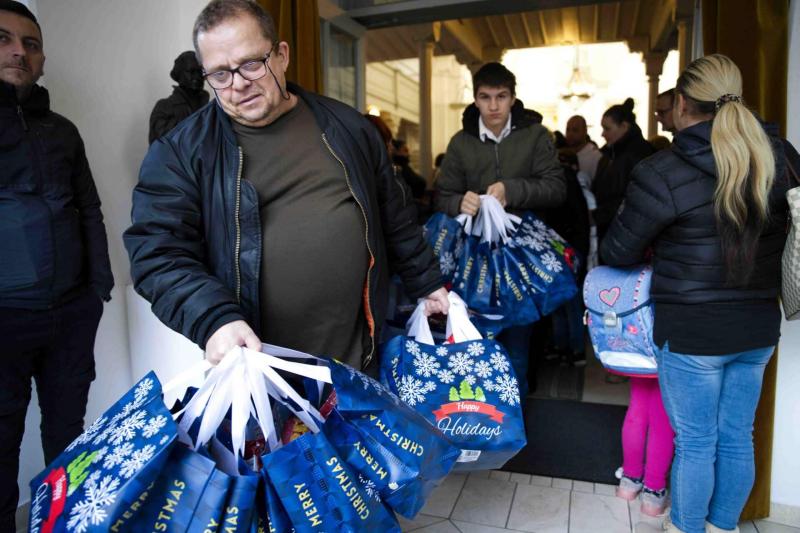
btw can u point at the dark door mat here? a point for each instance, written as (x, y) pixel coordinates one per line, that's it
(571, 439)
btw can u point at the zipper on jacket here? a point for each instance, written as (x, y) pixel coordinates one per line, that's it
(22, 117)
(370, 316)
(238, 242)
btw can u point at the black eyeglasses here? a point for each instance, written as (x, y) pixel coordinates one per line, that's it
(251, 71)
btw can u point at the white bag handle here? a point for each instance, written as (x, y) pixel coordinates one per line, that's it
(492, 223)
(459, 325)
(243, 374)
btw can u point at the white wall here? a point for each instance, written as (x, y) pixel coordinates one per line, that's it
(107, 64)
(786, 459)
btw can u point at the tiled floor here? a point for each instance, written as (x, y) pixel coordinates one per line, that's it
(494, 501)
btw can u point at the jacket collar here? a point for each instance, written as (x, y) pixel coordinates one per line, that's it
(37, 103)
(520, 118)
(227, 128)
(693, 145)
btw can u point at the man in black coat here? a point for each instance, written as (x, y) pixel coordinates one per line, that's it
(274, 214)
(186, 98)
(54, 266)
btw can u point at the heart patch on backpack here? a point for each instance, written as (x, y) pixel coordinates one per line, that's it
(610, 296)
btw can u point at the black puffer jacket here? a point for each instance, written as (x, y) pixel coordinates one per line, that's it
(195, 243)
(169, 111)
(52, 239)
(669, 206)
(614, 173)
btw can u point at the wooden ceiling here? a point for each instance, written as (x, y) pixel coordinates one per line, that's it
(646, 25)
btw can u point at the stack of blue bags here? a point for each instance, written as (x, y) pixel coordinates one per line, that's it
(503, 265)
(248, 451)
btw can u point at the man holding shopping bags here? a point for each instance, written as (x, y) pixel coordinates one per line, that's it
(54, 265)
(272, 213)
(505, 152)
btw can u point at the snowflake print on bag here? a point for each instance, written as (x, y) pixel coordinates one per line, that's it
(117, 455)
(551, 262)
(89, 434)
(127, 429)
(369, 487)
(154, 425)
(447, 263)
(488, 385)
(470, 379)
(426, 365)
(92, 508)
(475, 349)
(499, 362)
(441, 351)
(460, 363)
(136, 461)
(459, 248)
(412, 347)
(508, 389)
(446, 376)
(540, 226)
(100, 455)
(411, 390)
(430, 386)
(483, 369)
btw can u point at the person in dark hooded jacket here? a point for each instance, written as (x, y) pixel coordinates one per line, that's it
(55, 271)
(624, 149)
(503, 151)
(713, 211)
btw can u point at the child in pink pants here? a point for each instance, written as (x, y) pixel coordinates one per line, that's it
(647, 447)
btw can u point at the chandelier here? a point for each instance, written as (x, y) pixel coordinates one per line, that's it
(578, 88)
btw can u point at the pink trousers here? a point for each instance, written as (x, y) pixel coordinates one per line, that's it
(647, 436)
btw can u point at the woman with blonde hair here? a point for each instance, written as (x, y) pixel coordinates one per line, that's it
(713, 211)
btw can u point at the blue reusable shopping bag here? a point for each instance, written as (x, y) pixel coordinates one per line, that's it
(619, 315)
(445, 235)
(466, 389)
(277, 519)
(542, 256)
(402, 455)
(108, 467)
(320, 492)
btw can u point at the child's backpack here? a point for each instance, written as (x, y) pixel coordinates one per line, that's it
(619, 315)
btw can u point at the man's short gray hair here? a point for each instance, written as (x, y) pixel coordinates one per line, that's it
(219, 11)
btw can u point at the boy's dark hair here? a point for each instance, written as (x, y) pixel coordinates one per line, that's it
(494, 75)
(668, 93)
(218, 11)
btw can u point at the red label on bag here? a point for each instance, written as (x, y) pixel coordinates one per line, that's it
(470, 408)
(53, 486)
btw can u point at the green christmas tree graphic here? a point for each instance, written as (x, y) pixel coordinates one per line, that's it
(465, 391)
(454, 394)
(479, 395)
(77, 470)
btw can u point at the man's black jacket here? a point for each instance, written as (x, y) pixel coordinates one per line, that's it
(169, 111)
(52, 240)
(195, 244)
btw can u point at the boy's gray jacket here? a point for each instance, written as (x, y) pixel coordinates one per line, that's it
(525, 161)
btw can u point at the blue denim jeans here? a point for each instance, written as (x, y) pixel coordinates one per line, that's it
(516, 340)
(711, 402)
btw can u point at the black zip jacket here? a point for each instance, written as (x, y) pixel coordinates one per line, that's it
(614, 174)
(53, 243)
(669, 207)
(195, 242)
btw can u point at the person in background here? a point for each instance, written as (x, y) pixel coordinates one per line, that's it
(386, 135)
(578, 140)
(664, 104)
(437, 167)
(571, 221)
(713, 211)
(54, 267)
(401, 158)
(503, 151)
(230, 206)
(625, 147)
(186, 98)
